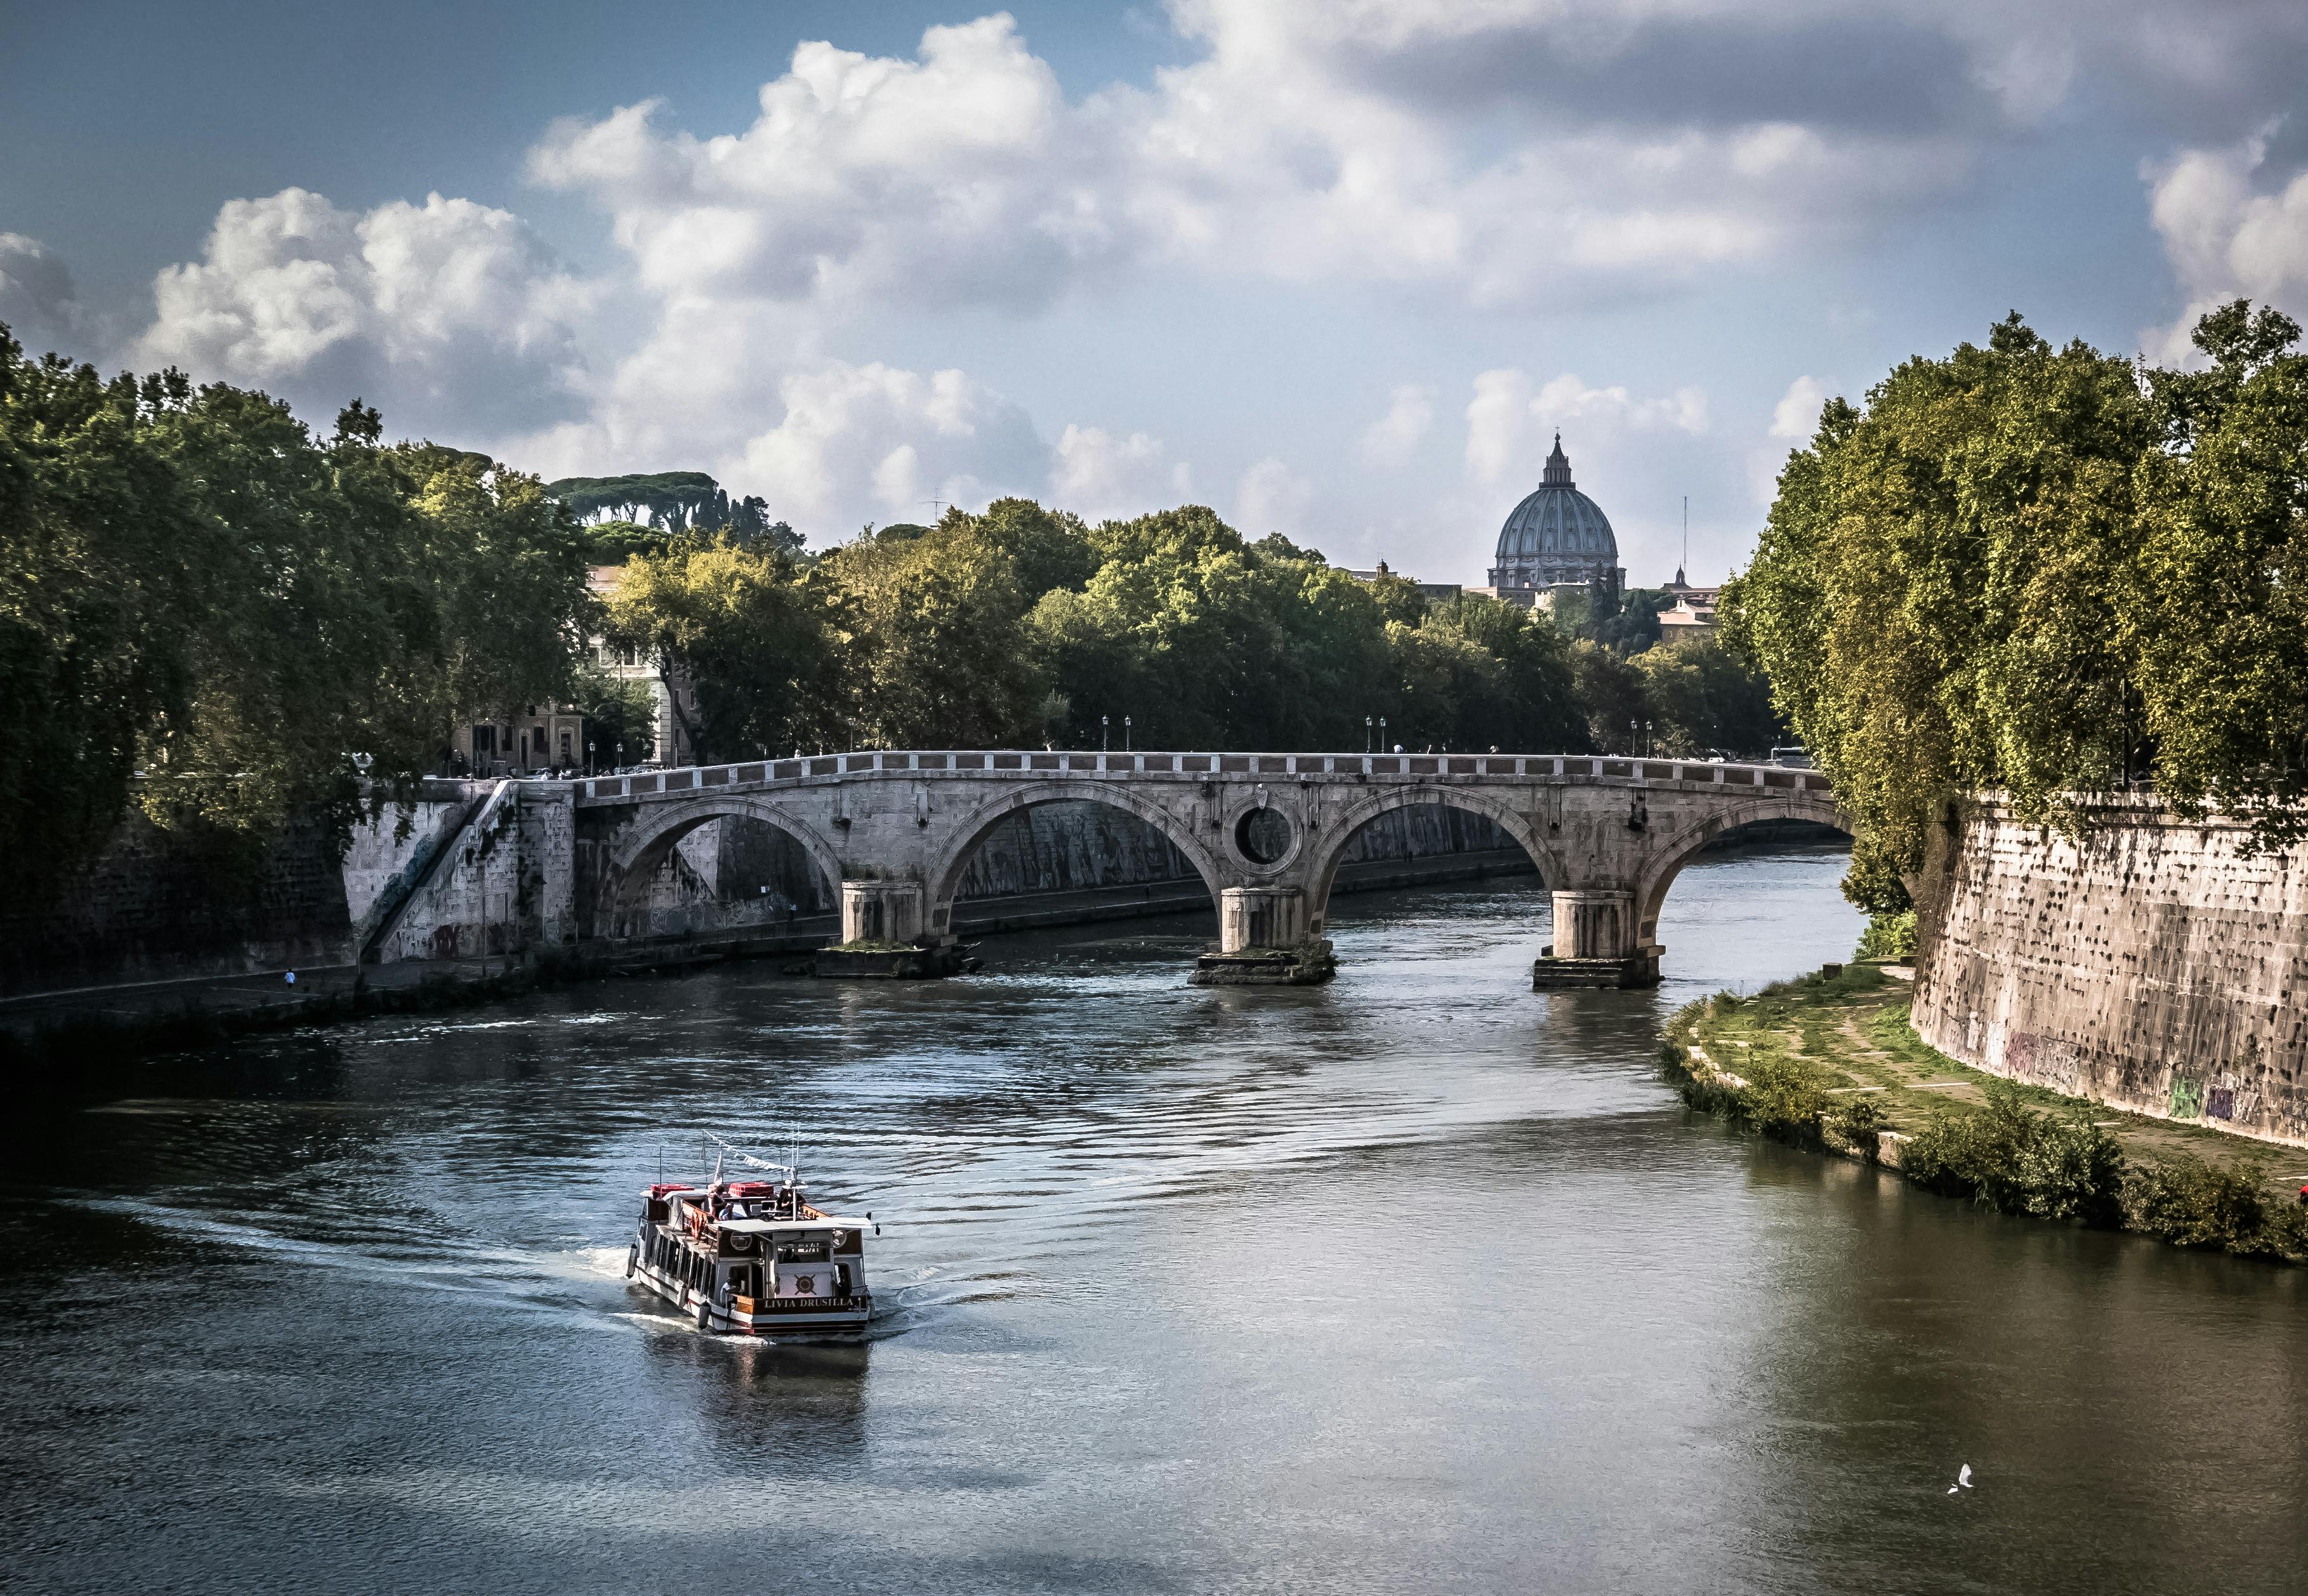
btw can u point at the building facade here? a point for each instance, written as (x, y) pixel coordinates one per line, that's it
(537, 738)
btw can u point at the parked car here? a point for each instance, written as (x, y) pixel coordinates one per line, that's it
(1792, 757)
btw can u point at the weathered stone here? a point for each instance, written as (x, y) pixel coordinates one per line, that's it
(2154, 966)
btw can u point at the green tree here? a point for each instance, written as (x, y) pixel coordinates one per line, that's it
(2214, 612)
(1932, 597)
(759, 642)
(1701, 698)
(934, 652)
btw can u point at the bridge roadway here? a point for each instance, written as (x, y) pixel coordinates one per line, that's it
(1266, 831)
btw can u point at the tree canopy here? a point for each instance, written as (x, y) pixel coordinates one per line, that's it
(2048, 573)
(666, 502)
(208, 611)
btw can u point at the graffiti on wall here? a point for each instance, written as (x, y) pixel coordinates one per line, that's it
(2042, 1061)
(2187, 1097)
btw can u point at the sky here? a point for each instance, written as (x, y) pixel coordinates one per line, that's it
(1339, 269)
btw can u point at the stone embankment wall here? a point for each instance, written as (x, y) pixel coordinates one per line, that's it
(161, 905)
(2154, 966)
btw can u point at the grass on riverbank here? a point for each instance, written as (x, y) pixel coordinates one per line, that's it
(1831, 1063)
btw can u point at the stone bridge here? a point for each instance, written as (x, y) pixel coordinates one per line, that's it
(1266, 831)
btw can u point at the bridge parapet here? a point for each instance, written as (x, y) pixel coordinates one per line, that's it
(999, 763)
(1265, 832)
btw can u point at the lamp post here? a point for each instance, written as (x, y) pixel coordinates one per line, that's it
(1368, 743)
(1634, 729)
(1647, 739)
(1125, 734)
(1381, 731)
(620, 755)
(1101, 733)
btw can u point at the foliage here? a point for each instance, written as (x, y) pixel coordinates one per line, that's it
(614, 543)
(1889, 935)
(1857, 1121)
(667, 501)
(2044, 571)
(2191, 1202)
(2016, 1160)
(933, 652)
(620, 714)
(1610, 697)
(1785, 1096)
(194, 587)
(1700, 698)
(758, 642)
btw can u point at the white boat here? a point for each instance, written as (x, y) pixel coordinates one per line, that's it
(753, 1258)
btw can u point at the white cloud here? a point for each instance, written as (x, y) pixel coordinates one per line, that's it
(1100, 477)
(961, 176)
(1312, 141)
(1796, 415)
(890, 440)
(1395, 437)
(450, 310)
(37, 302)
(2228, 235)
(1498, 420)
(1272, 498)
(1507, 423)
(1568, 399)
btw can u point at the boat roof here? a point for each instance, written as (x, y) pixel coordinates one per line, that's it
(763, 1226)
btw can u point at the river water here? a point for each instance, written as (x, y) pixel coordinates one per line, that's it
(1418, 1281)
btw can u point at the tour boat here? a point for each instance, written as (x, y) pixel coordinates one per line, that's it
(753, 1258)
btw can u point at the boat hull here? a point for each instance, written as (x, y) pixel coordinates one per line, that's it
(831, 1318)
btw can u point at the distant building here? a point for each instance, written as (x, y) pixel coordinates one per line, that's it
(1693, 610)
(1434, 593)
(542, 738)
(1557, 538)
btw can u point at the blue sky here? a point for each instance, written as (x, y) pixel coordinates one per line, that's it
(1337, 268)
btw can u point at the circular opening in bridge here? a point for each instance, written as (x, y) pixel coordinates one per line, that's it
(1263, 835)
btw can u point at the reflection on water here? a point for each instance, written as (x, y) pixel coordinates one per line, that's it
(1420, 1280)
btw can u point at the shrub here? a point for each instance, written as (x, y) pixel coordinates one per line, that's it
(2190, 1202)
(2015, 1161)
(1785, 1097)
(1857, 1121)
(1888, 936)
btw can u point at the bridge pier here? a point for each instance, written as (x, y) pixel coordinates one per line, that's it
(881, 911)
(882, 937)
(1264, 941)
(1597, 943)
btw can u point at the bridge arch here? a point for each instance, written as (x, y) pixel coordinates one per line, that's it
(637, 857)
(1666, 861)
(1329, 852)
(948, 866)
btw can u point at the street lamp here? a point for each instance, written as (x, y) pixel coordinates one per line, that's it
(1367, 734)
(1647, 739)
(1382, 729)
(1125, 734)
(592, 747)
(1101, 733)
(620, 755)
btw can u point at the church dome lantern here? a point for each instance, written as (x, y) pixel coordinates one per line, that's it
(1558, 537)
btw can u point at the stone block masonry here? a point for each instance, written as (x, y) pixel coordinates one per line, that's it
(2154, 966)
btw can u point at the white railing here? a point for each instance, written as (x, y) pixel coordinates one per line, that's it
(951, 762)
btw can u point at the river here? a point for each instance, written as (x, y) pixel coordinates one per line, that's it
(1418, 1281)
